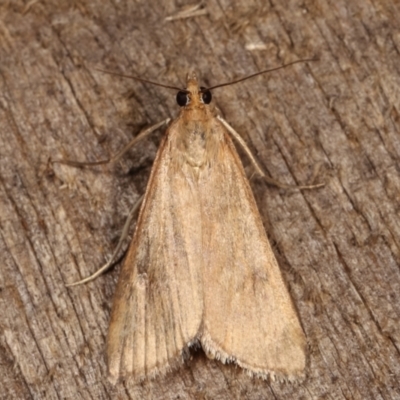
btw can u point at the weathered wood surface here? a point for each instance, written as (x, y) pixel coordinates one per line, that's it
(334, 120)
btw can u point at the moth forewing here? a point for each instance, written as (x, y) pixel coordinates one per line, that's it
(200, 267)
(248, 314)
(158, 301)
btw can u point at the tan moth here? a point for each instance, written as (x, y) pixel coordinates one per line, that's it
(200, 268)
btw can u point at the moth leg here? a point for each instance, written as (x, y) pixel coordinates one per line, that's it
(124, 235)
(117, 156)
(269, 180)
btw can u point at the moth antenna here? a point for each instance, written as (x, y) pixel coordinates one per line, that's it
(260, 73)
(136, 78)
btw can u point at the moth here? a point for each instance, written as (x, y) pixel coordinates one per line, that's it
(200, 269)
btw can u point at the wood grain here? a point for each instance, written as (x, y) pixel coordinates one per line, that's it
(334, 120)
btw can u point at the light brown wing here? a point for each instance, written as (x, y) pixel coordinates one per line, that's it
(248, 314)
(158, 301)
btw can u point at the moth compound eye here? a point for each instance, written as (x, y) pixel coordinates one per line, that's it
(206, 95)
(182, 98)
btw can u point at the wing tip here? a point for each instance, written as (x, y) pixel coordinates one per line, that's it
(117, 374)
(214, 351)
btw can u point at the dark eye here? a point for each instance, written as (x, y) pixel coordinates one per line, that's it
(182, 98)
(206, 96)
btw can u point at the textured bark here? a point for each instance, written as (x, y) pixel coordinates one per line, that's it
(335, 120)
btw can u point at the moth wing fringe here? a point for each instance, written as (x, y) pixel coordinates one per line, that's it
(211, 348)
(170, 366)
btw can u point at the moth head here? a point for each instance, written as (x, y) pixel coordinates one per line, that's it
(193, 94)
